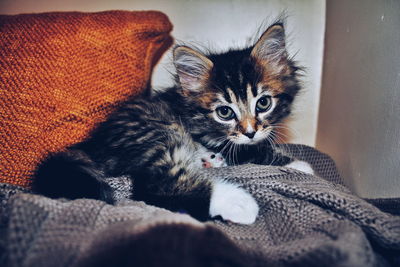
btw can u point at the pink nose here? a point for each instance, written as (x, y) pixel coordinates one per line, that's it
(207, 165)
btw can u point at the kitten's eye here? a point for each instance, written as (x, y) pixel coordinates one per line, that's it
(263, 104)
(225, 113)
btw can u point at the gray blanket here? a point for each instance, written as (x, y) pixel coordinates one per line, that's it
(305, 220)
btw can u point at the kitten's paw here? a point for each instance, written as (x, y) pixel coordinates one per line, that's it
(213, 160)
(301, 166)
(233, 203)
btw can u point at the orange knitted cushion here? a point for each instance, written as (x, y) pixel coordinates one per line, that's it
(62, 73)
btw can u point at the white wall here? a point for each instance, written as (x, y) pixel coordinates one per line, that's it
(359, 123)
(221, 24)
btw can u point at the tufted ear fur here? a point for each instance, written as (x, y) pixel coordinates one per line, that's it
(193, 68)
(270, 49)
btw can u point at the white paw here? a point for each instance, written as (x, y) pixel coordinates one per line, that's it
(233, 203)
(301, 166)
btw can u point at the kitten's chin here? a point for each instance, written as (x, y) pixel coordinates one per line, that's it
(244, 140)
(247, 141)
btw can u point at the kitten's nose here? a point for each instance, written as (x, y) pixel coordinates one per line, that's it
(249, 134)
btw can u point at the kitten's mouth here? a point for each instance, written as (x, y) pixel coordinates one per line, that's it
(257, 138)
(254, 142)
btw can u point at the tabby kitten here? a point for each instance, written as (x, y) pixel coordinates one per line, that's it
(162, 141)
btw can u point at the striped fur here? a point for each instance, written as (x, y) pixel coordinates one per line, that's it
(159, 141)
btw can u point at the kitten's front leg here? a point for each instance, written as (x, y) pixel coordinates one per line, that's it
(233, 203)
(228, 200)
(181, 186)
(282, 160)
(301, 166)
(216, 198)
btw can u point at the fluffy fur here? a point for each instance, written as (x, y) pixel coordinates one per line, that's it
(228, 103)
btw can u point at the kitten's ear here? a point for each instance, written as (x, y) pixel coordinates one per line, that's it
(193, 68)
(270, 49)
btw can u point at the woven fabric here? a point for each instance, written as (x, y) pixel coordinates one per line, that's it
(62, 73)
(304, 220)
(307, 221)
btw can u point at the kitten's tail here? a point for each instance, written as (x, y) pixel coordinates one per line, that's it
(71, 174)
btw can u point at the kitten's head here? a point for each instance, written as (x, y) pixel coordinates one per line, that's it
(244, 93)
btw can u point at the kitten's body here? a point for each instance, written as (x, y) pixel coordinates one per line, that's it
(162, 141)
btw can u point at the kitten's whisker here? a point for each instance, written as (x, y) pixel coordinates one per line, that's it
(286, 149)
(230, 154)
(234, 154)
(273, 150)
(278, 138)
(220, 140)
(291, 130)
(289, 149)
(235, 160)
(225, 146)
(234, 147)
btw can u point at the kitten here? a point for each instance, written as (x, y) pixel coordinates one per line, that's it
(220, 102)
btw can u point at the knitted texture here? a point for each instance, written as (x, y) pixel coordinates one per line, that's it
(304, 220)
(62, 73)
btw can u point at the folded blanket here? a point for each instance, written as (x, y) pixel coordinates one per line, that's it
(305, 220)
